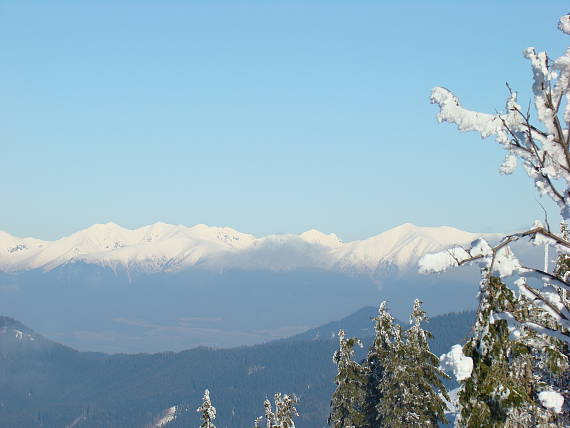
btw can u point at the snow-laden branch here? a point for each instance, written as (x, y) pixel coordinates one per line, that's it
(542, 146)
(516, 327)
(498, 259)
(501, 260)
(544, 153)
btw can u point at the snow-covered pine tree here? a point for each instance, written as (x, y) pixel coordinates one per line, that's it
(543, 146)
(379, 354)
(411, 383)
(208, 411)
(285, 410)
(429, 405)
(497, 394)
(284, 413)
(348, 399)
(394, 387)
(550, 365)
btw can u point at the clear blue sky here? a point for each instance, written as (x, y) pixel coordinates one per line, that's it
(266, 116)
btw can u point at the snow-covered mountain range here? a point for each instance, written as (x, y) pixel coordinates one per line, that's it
(164, 247)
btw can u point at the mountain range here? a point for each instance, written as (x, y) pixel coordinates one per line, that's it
(164, 247)
(165, 287)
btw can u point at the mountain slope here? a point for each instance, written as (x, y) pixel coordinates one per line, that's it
(44, 384)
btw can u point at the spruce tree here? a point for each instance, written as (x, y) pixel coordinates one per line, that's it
(379, 354)
(285, 410)
(411, 383)
(208, 411)
(348, 399)
(430, 407)
(283, 415)
(500, 381)
(549, 356)
(393, 408)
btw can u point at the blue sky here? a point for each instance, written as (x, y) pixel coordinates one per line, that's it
(266, 116)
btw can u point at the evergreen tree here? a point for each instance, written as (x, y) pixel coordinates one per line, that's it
(208, 411)
(284, 413)
(500, 381)
(430, 406)
(348, 399)
(550, 365)
(393, 408)
(379, 355)
(411, 383)
(285, 410)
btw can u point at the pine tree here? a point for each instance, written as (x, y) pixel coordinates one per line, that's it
(429, 405)
(208, 411)
(284, 413)
(550, 365)
(379, 355)
(499, 383)
(285, 410)
(411, 383)
(393, 408)
(348, 399)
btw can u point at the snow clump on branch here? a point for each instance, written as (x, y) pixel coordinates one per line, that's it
(456, 362)
(551, 400)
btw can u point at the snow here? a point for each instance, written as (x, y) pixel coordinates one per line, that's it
(452, 404)
(506, 262)
(551, 400)
(466, 120)
(402, 246)
(509, 164)
(456, 362)
(169, 416)
(564, 24)
(18, 334)
(162, 247)
(317, 237)
(444, 260)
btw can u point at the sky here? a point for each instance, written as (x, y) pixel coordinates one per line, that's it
(265, 116)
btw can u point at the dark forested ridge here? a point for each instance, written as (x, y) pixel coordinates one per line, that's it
(43, 383)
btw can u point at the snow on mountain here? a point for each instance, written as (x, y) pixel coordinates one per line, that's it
(317, 237)
(14, 331)
(401, 246)
(166, 247)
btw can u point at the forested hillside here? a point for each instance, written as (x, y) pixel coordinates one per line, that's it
(43, 383)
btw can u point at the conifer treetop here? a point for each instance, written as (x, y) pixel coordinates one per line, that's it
(208, 411)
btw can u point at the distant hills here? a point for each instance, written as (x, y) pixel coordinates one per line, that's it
(164, 247)
(45, 384)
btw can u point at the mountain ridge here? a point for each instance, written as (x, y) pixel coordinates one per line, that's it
(162, 247)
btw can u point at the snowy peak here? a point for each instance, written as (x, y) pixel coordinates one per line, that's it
(401, 246)
(317, 237)
(166, 247)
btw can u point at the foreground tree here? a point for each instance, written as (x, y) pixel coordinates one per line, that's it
(543, 147)
(348, 399)
(410, 387)
(379, 355)
(499, 391)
